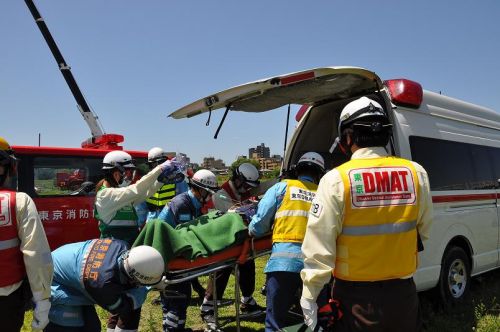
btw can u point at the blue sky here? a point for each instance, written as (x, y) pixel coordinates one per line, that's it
(137, 61)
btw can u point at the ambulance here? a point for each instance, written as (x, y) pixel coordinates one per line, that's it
(458, 143)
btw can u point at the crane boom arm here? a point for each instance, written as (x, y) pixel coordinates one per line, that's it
(89, 117)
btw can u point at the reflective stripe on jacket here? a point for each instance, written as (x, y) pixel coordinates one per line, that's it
(381, 210)
(291, 218)
(11, 257)
(161, 197)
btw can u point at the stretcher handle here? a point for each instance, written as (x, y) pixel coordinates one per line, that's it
(243, 257)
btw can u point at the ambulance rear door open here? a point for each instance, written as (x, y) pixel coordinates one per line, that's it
(325, 90)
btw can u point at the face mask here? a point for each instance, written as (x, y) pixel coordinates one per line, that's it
(126, 178)
(124, 183)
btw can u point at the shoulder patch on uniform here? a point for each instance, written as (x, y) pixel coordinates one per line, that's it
(316, 209)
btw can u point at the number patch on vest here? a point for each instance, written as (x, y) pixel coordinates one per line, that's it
(297, 194)
(381, 186)
(5, 213)
(316, 209)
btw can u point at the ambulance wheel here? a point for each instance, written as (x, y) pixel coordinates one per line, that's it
(455, 278)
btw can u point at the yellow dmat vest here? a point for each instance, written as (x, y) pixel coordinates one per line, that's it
(379, 236)
(291, 218)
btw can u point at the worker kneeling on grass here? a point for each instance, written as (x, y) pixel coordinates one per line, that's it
(104, 272)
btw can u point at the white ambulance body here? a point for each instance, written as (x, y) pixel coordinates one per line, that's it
(458, 143)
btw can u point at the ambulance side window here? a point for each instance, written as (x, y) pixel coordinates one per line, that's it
(64, 176)
(454, 165)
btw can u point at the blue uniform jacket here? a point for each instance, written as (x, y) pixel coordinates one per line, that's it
(88, 273)
(182, 208)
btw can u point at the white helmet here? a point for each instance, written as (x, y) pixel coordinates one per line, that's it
(144, 264)
(360, 108)
(118, 159)
(248, 173)
(312, 159)
(205, 179)
(157, 154)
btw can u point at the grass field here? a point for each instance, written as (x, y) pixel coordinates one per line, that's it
(480, 314)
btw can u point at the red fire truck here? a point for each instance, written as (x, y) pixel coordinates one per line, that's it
(62, 181)
(67, 213)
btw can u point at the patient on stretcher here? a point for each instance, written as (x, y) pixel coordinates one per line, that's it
(204, 236)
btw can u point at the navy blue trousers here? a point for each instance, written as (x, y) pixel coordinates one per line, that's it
(175, 306)
(281, 293)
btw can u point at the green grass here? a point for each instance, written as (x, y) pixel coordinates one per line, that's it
(480, 314)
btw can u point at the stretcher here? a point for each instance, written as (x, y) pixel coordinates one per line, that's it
(181, 270)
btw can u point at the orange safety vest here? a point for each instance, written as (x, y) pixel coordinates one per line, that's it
(379, 235)
(290, 220)
(11, 257)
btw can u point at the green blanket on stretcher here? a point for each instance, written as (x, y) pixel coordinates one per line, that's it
(201, 237)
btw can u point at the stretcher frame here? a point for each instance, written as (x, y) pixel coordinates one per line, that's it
(181, 270)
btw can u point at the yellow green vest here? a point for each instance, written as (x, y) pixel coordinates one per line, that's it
(162, 196)
(379, 237)
(290, 220)
(124, 225)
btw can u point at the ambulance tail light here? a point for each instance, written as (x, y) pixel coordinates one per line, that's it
(302, 110)
(105, 142)
(405, 92)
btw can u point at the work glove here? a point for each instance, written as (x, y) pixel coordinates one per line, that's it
(168, 165)
(41, 314)
(161, 285)
(171, 172)
(310, 311)
(329, 314)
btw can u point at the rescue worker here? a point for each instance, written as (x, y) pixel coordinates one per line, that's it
(363, 226)
(284, 209)
(182, 208)
(103, 272)
(25, 262)
(115, 199)
(163, 196)
(156, 202)
(115, 202)
(235, 190)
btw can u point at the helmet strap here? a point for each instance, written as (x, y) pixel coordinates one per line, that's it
(123, 270)
(197, 193)
(204, 196)
(345, 143)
